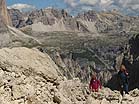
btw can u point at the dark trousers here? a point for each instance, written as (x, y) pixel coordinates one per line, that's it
(124, 87)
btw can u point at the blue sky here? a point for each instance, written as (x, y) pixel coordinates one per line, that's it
(39, 3)
(129, 7)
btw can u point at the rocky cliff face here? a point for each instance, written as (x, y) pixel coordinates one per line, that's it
(131, 59)
(4, 14)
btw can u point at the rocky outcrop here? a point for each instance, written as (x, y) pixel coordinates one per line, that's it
(27, 76)
(10, 37)
(4, 14)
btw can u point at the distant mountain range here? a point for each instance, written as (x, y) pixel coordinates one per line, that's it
(50, 19)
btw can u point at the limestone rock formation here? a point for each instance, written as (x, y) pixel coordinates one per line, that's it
(4, 14)
(4, 17)
(25, 58)
(27, 76)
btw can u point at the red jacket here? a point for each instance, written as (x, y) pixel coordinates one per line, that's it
(95, 85)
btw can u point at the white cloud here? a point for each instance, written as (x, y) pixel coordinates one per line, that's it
(135, 7)
(86, 8)
(106, 3)
(125, 6)
(129, 6)
(72, 3)
(89, 2)
(21, 7)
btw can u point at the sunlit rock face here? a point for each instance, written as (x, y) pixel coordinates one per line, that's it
(3, 13)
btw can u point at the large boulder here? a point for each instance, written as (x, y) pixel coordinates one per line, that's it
(27, 62)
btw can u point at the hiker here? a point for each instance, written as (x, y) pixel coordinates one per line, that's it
(95, 84)
(123, 76)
